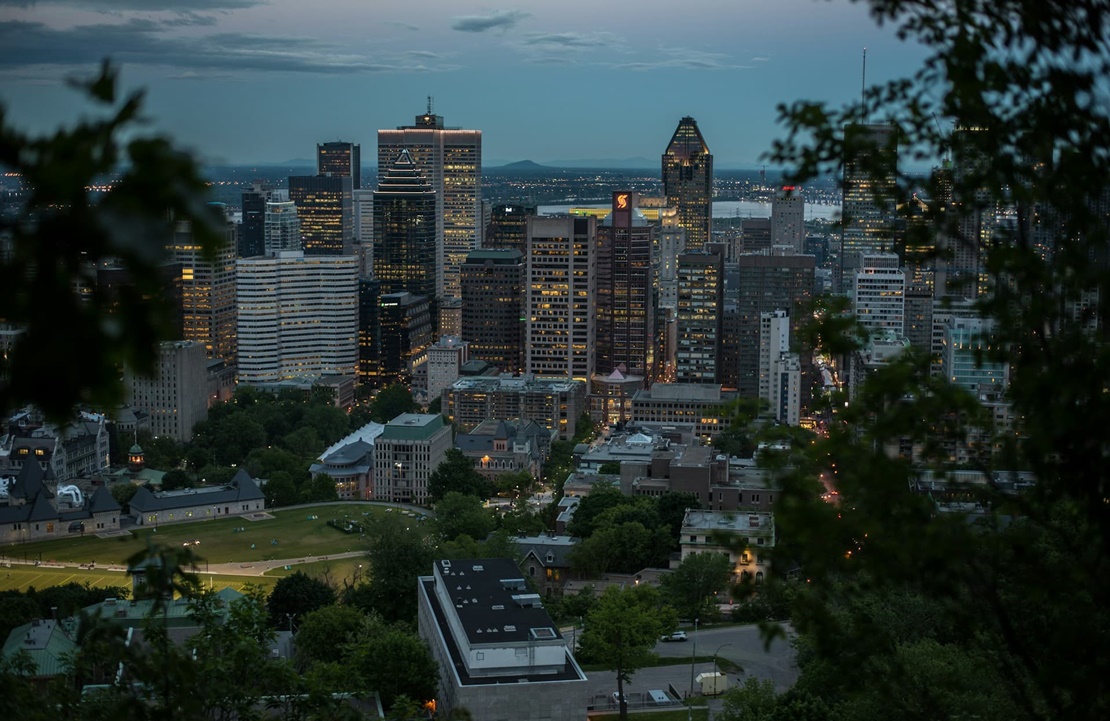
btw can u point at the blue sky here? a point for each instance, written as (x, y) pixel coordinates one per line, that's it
(246, 81)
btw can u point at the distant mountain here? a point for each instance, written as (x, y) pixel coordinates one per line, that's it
(523, 165)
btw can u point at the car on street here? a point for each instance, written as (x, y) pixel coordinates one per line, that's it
(676, 636)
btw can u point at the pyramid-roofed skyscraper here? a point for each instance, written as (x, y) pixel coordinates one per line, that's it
(688, 182)
(405, 229)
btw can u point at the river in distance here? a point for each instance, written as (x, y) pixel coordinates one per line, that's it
(721, 209)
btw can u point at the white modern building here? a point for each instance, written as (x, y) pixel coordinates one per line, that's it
(445, 357)
(176, 397)
(298, 316)
(561, 287)
(282, 229)
(774, 340)
(879, 294)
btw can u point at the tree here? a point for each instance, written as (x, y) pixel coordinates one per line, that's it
(621, 548)
(123, 493)
(63, 232)
(396, 555)
(754, 700)
(320, 489)
(1024, 87)
(391, 402)
(397, 663)
(456, 473)
(590, 507)
(672, 507)
(296, 595)
(175, 479)
(280, 490)
(457, 514)
(621, 631)
(326, 629)
(691, 588)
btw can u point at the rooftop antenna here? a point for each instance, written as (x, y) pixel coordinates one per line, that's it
(429, 105)
(863, 85)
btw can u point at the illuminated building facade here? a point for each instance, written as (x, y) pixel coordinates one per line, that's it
(493, 311)
(340, 158)
(326, 211)
(561, 276)
(698, 317)
(405, 331)
(625, 307)
(207, 290)
(869, 195)
(688, 182)
(404, 230)
(451, 160)
(508, 226)
(252, 231)
(879, 295)
(298, 316)
(283, 228)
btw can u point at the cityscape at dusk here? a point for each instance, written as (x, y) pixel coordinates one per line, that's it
(557, 361)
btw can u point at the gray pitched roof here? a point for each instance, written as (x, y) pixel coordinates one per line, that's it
(241, 488)
(102, 501)
(29, 483)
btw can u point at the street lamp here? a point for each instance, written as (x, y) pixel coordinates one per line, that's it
(693, 655)
(717, 652)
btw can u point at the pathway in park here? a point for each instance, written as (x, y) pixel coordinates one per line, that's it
(258, 568)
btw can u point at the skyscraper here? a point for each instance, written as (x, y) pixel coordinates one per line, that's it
(869, 196)
(283, 228)
(451, 160)
(340, 158)
(176, 397)
(788, 228)
(493, 311)
(698, 318)
(561, 279)
(324, 206)
(404, 229)
(252, 232)
(508, 226)
(207, 291)
(298, 316)
(688, 182)
(879, 295)
(625, 323)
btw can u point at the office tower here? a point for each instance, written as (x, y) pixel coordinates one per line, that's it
(364, 230)
(404, 333)
(625, 305)
(445, 358)
(755, 235)
(688, 182)
(252, 232)
(508, 226)
(788, 216)
(207, 290)
(670, 241)
(785, 388)
(369, 330)
(774, 340)
(406, 453)
(298, 316)
(879, 295)
(176, 397)
(869, 196)
(404, 229)
(765, 284)
(283, 228)
(493, 307)
(324, 206)
(561, 277)
(960, 272)
(451, 160)
(698, 318)
(342, 159)
(964, 357)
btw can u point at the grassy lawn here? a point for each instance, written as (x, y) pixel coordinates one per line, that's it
(679, 714)
(658, 661)
(339, 570)
(23, 577)
(299, 533)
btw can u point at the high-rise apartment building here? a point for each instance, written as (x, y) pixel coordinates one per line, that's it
(364, 229)
(451, 160)
(325, 208)
(404, 229)
(765, 284)
(207, 290)
(625, 307)
(774, 340)
(493, 307)
(298, 316)
(869, 196)
(176, 397)
(340, 158)
(788, 221)
(698, 317)
(561, 277)
(688, 182)
(252, 231)
(283, 228)
(445, 358)
(879, 295)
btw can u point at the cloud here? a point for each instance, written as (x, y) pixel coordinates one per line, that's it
(144, 42)
(147, 5)
(759, 59)
(503, 20)
(684, 59)
(403, 26)
(571, 40)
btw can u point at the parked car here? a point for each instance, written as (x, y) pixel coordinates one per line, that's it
(676, 636)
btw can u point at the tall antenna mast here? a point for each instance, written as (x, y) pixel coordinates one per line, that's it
(863, 86)
(429, 105)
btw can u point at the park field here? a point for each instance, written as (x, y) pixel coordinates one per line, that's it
(293, 533)
(21, 578)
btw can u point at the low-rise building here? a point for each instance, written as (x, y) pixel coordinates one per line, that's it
(500, 655)
(546, 560)
(556, 403)
(498, 447)
(37, 508)
(697, 405)
(239, 497)
(350, 463)
(747, 537)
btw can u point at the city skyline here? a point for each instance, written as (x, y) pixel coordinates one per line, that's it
(222, 75)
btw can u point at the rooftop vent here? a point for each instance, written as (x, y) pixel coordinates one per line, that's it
(510, 628)
(445, 563)
(498, 607)
(513, 584)
(543, 634)
(478, 569)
